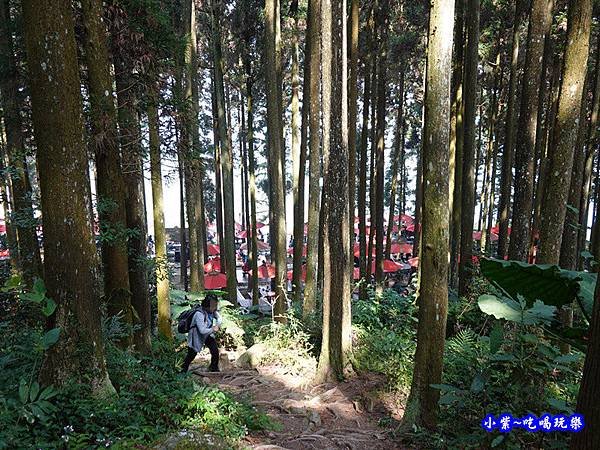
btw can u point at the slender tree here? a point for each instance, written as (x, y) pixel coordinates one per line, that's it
(298, 153)
(62, 164)
(383, 24)
(109, 176)
(433, 296)
(160, 239)
(227, 247)
(276, 153)
(352, 109)
(313, 52)
(26, 254)
(565, 130)
(468, 174)
(456, 142)
(334, 361)
(539, 24)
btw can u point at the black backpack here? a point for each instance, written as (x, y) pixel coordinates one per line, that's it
(184, 321)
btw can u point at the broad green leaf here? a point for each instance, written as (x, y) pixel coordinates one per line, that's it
(39, 287)
(498, 440)
(503, 357)
(34, 391)
(544, 282)
(49, 308)
(505, 308)
(568, 359)
(23, 391)
(32, 297)
(448, 398)
(560, 405)
(48, 393)
(50, 337)
(586, 255)
(477, 384)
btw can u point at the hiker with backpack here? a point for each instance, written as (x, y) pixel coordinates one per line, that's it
(198, 323)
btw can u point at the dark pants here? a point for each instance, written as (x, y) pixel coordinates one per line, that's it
(209, 342)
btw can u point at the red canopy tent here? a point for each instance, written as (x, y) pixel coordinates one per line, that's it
(401, 247)
(214, 265)
(213, 250)
(477, 236)
(357, 249)
(215, 281)
(266, 271)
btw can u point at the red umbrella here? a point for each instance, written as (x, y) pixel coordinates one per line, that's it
(356, 273)
(266, 271)
(410, 228)
(215, 281)
(496, 230)
(477, 236)
(414, 262)
(402, 247)
(404, 218)
(214, 265)
(389, 266)
(4, 254)
(2, 227)
(238, 226)
(259, 225)
(213, 249)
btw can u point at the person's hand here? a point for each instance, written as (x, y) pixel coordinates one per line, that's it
(216, 328)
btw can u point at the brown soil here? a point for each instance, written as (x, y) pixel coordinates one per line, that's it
(355, 414)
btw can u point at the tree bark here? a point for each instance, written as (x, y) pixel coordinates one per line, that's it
(352, 112)
(160, 238)
(227, 247)
(62, 164)
(334, 361)
(109, 179)
(456, 142)
(565, 130)
(364, 139)
(422, 403)
(398, 149)
(275, 160)
(382, 21)
(313, 59)
(298, 154)
(539, 25)
(131, 151)
(468, 175)
(27, 252)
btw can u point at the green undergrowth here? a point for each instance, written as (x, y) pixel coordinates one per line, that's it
(153, 400)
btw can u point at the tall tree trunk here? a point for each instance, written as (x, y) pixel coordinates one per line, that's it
(298, 154)
(182, 233)
(382, 23)
(352, 113)
(543, 127)
(490, 154)
(468, 175)
(509, 133)
(109, 179)
(226, 158)
(372, 172)
(398, 147)
(27, 253)
(565, 130)
(6, 199)
(589, 391)
(195, 210)
(592, 138)
(364, 139)
(456, 142)
(569, 251)
(62, 164)
(276, 152)
(422, 403)
(334, 361)
(131, 151)
(160, 238)
(218, 179)
(313, 59)
(540, 22)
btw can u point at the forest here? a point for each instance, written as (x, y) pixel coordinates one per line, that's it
(299, 224)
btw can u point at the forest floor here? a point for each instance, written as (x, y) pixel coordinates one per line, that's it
(355, 414)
